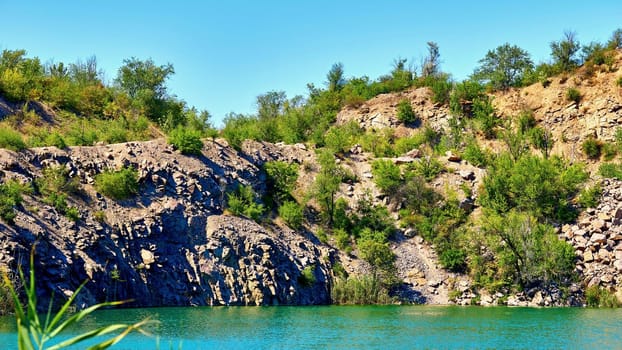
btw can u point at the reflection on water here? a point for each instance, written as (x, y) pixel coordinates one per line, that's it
(375, 327)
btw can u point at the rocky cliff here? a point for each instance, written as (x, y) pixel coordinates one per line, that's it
(170, 245)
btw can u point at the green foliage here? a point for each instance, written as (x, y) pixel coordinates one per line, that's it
(342, 240)
(292, 214)
(591, 147)
(374, 248)
(186, 140)
(589, 196)
(564, 52)
(10, 139)
(541, 139)
(387, 175)
(242, 202)
(596, 296)
(34, 333)
(307, 276)
(542, 187)
(427, 167)
(453, 259)
(379, 142)
(573, 95)
(364, 290)
(610, 170)
(527, 251)
(405, 112)
(341, 219)
(118, 185)
(464, 95)
(504, 67)
(475, 155)
(487, 120)
(327, 184)
(282, 178)
(609, 151)
(144, 82)
(619, 82)
(339, 139)
(441, 88)
(10, 197)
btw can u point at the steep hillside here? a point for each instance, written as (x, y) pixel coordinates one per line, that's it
(170, 245)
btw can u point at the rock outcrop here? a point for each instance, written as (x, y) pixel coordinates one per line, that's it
(170, 245)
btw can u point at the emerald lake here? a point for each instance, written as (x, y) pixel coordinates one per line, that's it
(362, 327)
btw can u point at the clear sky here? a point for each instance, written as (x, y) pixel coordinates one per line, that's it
(227, 52)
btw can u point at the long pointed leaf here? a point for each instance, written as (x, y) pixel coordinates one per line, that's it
(59, 315)
(88, 335)
(110, 342)
(78, 316)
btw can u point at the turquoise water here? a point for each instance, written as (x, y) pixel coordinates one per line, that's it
(364, 327)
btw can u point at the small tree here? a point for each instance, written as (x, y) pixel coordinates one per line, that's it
(335, 77)
(564, 52)
(119, 184)
(503, 67)
(431, 63)
(405, 112)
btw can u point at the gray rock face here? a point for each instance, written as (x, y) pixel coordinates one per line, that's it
(168, 246)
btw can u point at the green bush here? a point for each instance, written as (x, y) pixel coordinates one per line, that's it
(573, 95)
(364, 290)
(282, 178)
(387, 176)
(342, 240)
(589, 196)
(427, 167)
(441, 89)
(405, 112)
(619, 82)
(610, 170)
(475, 155)
(118, 185)
(596, 296)
(292, 214)
(242, 202)
(10, 139)
(592, 147)
(307, 276)
(185, 140)
(453, 259)
(10, 197)
(56, 179)
(543, 187)
(609, 151)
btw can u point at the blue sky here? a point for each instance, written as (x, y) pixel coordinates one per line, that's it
(225, 53)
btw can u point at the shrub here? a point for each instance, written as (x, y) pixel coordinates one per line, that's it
(307, 276)
(292, 214)
(591, 147)
(117, 185)
(185, 140)
(282, 178)
(475, 155)
(56, 179)
(453, 259)
(609, 151)
(589, 196)
(573, 95)
(55, 139)
(342, 240)
(387, 175)
(405, 112)
(10, 197)
(10, 139)
(619, 82)
(363, 290)
(242, 203)
(596, 296)
(543, 187)
(428, 168)
(610, 170)
(441, 89)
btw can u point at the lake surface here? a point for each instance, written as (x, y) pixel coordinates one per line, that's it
(363, 327)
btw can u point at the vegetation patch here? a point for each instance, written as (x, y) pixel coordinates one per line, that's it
(118, 185)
